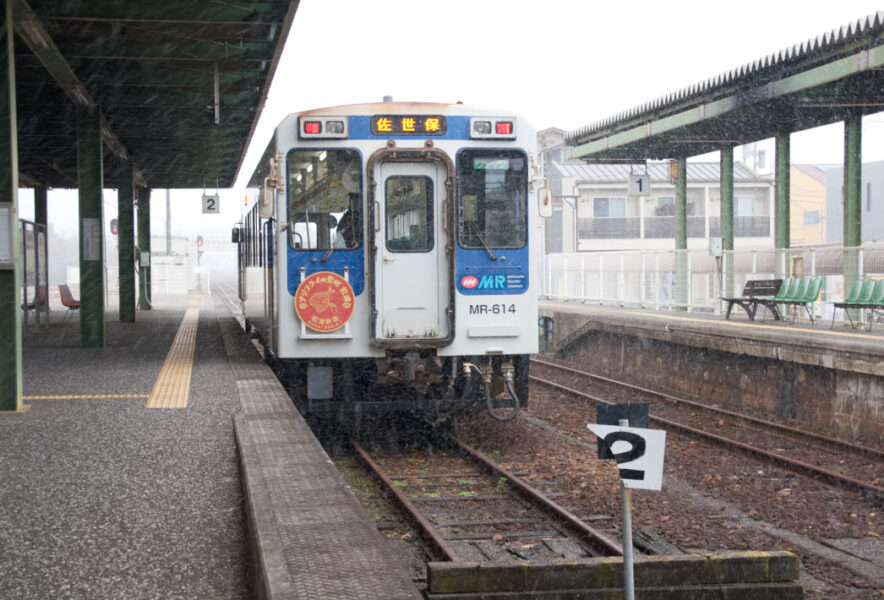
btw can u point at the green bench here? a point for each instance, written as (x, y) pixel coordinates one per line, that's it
(865, 293)
(801, 291)
(770, 293)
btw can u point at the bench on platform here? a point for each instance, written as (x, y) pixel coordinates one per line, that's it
(67, 299)
(865, 293)
(753, 289)
(802, 291)
(40, 299)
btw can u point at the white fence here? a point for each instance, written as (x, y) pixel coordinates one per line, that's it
(165, 279)
(651, 279)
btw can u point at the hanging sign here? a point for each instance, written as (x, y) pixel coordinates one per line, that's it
(211, 204)
(639, 185)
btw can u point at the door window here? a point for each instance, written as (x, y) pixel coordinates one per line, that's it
(409, 213)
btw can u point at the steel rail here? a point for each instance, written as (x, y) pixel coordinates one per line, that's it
(676, 400)
(429, 532)
(873, 494)
(597, 543)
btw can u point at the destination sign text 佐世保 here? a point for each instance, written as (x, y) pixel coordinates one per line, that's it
(408, 125)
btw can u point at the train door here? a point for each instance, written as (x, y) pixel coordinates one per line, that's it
(412, 263)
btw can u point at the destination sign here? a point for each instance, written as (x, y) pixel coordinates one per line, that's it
(408, 125)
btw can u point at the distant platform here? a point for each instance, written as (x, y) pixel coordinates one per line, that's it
(806, 371)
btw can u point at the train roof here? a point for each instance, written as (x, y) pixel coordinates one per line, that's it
(420, 108)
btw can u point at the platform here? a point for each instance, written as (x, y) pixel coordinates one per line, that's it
(120, 482)
(833, 378)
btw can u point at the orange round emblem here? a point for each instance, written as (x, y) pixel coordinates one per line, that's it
(324, 301)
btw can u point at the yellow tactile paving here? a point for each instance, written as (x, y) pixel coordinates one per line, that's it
(172, 387)
(84, 396)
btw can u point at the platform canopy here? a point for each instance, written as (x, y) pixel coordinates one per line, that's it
(834, 76)
(180, 85)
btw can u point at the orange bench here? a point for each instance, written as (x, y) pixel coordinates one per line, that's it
(67, 299)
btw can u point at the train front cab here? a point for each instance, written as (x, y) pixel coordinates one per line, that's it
(435, 238)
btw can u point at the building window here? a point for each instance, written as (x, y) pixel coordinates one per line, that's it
(744, 206)
(609, 207)
(811, 217)
(665, 207)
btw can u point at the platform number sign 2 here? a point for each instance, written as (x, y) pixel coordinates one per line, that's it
(211, 204)
(638, 452)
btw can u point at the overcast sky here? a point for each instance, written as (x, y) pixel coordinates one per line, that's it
(562, 63)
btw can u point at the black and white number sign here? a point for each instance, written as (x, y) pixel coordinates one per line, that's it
(638, 452)
(639, 185)
(211, 204)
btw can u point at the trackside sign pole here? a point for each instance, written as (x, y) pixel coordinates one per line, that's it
(628, 568)
(641, 466)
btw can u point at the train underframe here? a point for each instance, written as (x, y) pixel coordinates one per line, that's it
(412, 381)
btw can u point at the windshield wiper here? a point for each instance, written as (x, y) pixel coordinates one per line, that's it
(331, 248)
(482, 239)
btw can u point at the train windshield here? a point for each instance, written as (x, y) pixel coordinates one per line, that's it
(492, 192)
(325, 199)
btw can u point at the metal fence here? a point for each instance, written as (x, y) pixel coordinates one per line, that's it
(693, 280)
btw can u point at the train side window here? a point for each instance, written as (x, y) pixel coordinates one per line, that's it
(324, 199)
(492, 193)
(409, 213)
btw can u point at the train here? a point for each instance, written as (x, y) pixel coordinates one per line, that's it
(390, 260)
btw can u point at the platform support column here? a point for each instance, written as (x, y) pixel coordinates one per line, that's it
(126, 243)
(10, 278)
(727, 220)
(852, 199)
(90, 175)
(681, 234)
(143, 204)
(782, 242)
(40, 210)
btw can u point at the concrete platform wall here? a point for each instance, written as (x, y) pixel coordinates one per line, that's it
(822, 384)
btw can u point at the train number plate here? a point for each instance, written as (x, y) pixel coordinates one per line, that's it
(492, 309)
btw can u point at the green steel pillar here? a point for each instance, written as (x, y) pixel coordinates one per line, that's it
(10, 278)
(852, 199)
(781, 232)
(40, 210)
(126, 244)
(727, 219)
(41, 219)
(143, 248)
(90, 181)
(681, 234)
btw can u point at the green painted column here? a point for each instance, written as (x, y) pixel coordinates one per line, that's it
(727, 220)
(852, 199)
(782, 241)
(681, 234)
(40, 202)
(143, 203)
(10, 278)
(90, 182)
(126, 244)
(41, 214)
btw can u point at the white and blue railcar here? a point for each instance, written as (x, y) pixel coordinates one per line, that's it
(392, 258)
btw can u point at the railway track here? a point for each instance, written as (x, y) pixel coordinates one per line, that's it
(840, 463)
(469, 509)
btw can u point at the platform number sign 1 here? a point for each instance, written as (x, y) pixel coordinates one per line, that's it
(211, 204)
(638, 452)
(639, 185)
